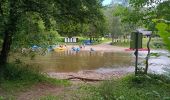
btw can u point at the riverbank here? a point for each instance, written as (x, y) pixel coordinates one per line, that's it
(129, 87)
(99, 75)
(107, 47)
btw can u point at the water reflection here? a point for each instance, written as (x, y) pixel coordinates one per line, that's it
(71, 61)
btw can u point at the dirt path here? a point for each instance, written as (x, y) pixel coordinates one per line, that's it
(38, 91)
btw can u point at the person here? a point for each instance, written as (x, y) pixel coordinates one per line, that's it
(91, 49)
(73, 48)
(80, 46)
(84, 45)
(78, 49)
(65, 46)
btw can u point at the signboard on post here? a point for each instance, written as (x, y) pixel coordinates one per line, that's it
(136, 37)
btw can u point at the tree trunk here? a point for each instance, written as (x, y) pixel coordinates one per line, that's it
(90, 38)
(4, 52)
(113, 39)
(10, 29)
(147, 57)
(7, 41)
(5, 47)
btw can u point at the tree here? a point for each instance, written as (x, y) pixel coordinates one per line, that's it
(11, 12)
(70, 28)
(97, 29)
(118, 25)
(32, 27)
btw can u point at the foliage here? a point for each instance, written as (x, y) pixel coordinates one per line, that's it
(1, 98)
(164, 32)
(113, 22)
(155, 16)
(119, 20)
(36, 35)
(71, 28)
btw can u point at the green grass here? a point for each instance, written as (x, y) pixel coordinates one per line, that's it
(135, 88)
(151, 87)
(121, 44)
(156, 43)
(18, 77)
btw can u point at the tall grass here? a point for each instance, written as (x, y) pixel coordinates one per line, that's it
(20, 76)
(150, 87)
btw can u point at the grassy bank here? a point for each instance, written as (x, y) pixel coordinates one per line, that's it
(151, 87)
(19, 77)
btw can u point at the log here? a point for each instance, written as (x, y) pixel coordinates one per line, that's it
(83, 79)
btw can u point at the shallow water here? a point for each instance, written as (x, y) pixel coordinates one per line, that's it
(157, 65)
(70, 61)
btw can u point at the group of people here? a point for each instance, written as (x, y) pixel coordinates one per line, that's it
(78, 48)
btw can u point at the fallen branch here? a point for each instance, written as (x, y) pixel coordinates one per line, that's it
(83, 79)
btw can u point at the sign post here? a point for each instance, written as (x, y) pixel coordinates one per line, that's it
(136, 43)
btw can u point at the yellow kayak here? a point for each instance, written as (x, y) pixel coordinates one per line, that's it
(60, 49)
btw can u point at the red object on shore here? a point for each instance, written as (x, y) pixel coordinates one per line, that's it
(142, 49)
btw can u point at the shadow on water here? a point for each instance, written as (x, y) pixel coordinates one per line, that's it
(71, 61)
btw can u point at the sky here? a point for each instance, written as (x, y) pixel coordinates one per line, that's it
(106, 2)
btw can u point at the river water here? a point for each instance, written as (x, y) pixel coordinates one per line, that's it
(100, 61)
(71, 61)
(157, 64)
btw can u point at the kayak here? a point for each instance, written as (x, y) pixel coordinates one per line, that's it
(60, 49)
